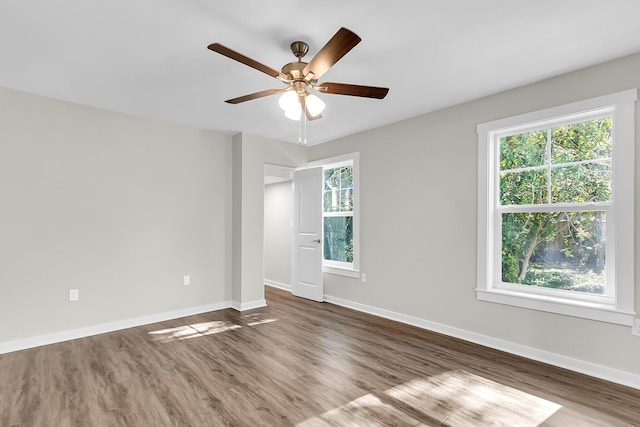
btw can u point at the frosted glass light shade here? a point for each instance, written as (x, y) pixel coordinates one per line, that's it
(294, 113)
(289, 100)
(290, 103)
(315, 105)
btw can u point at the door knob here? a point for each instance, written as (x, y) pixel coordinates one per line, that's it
(315, 241)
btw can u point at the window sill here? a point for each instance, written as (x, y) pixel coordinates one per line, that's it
(594, 311)
(341, 272)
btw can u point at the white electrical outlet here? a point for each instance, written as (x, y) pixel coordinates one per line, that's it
(186, 280)
(635, 329)
(74, 294)
(363, 277)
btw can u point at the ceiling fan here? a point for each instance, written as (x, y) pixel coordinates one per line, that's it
(300, 76)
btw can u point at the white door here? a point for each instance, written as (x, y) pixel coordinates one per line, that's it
(307, 230)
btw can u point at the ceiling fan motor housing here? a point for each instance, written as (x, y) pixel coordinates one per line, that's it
(299, 49)
(295, 70)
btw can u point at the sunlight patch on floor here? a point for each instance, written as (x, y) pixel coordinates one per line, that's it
(203, 329)
(255, 319)
(455, 398)
(261, 322)
(367, 410)
(192, 331)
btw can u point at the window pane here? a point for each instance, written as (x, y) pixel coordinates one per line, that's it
(581, 141)
(523, 188)
(346, 200)
(332, 200)
(346, 177)
(338, 238)
(523, 150)
(560, 250)
(338, 189)
(589, 182)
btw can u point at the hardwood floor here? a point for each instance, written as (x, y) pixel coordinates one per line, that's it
(295, 362)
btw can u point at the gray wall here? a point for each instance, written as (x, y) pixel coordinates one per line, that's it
(251, 153)
(278, 233)
(122, 207)
(418, 221)
(117, 206)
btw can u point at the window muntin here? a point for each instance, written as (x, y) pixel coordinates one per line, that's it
(558, 249)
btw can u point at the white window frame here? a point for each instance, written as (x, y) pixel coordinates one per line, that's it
(351, 269)
(618, 305)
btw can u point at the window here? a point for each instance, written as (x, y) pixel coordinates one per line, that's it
(555, 211)
(340, 214)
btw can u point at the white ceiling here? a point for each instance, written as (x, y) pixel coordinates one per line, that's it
(150, 57)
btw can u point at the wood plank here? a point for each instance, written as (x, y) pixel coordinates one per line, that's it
(295, 362)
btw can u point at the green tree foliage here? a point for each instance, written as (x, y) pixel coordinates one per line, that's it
(566, 164)
(338, 238)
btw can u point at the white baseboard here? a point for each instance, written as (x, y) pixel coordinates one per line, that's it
(103, 328)
(587, 368)
(248, 305)
(278, 285)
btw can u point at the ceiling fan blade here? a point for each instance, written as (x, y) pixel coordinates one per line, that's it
(255, 95)
(353, 90)
(303, 104)
(337, 47)
(229, 53)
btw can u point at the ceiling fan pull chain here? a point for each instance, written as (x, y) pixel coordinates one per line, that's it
(300, 131)
(304, 117)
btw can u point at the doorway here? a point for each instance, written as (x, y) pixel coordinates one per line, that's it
(278, 226)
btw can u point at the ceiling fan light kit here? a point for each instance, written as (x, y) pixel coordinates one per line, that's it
(300, 77)
(288, 101)
(315, 105)
(290, 104)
